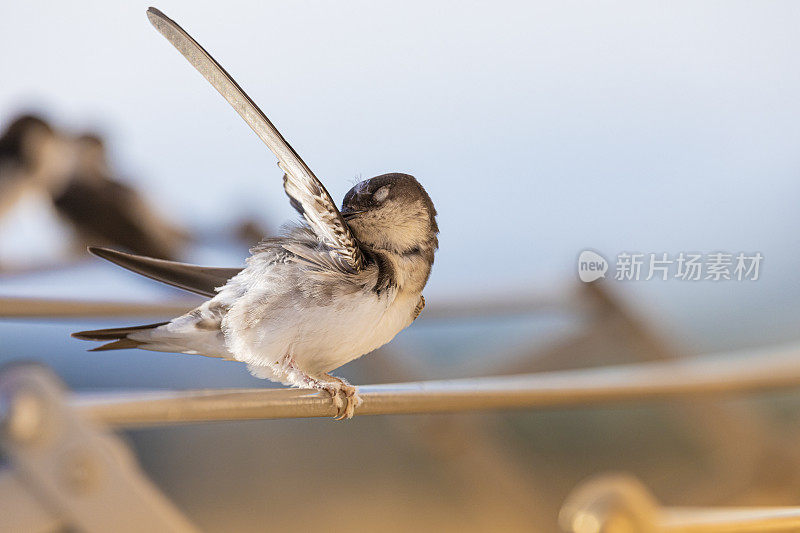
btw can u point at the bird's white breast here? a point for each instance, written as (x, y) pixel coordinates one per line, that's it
(319, 338)
(359, 326)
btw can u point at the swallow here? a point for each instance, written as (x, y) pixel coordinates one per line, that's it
(105, 211)
(32, 156)
(327, 290)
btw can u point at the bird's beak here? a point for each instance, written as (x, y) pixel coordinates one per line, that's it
(347, 215)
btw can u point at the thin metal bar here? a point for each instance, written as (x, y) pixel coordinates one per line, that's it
(498, 308)
(721, 374)
(733, 520)
(615, 503)
(11, 307)
(55, 309)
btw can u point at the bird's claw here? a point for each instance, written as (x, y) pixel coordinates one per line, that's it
(336, 398)
(345, 398)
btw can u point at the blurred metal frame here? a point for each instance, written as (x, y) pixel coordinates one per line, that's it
(618, 503)
(74, 472)
(67, 472)
(664, 375)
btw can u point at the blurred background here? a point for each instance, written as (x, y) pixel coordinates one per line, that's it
(539, 130)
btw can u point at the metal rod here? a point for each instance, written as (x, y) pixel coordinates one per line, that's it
(447, 310)
(617, 503)
(707, 375)
(733, 520)
(55, 309)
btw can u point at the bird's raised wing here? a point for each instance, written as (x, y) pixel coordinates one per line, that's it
(307, 193)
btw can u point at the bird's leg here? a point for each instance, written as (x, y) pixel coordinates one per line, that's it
(343, 395)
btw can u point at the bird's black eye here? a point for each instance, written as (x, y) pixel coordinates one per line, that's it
(381, 194)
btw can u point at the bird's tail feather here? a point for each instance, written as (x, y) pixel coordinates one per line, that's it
(179, 336)
(118, 336)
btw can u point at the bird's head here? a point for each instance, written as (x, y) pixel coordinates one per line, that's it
(24, 138)
(46, 156)
(392, 212)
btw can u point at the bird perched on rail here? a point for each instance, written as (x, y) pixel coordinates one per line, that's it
(33, 157)
(72, 175)
(105, 211)
(323, 293)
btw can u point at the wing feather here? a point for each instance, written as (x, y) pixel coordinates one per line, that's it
(192, 278)
(316, 206)
(305, 191)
